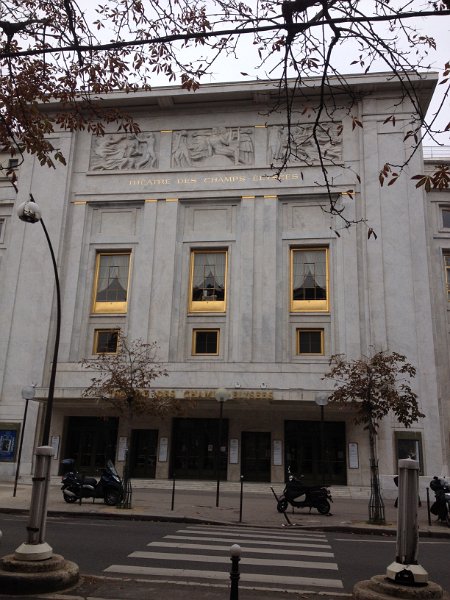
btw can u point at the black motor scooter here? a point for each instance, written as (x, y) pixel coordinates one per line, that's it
(75, 486)
(441, 505)
(299, 495)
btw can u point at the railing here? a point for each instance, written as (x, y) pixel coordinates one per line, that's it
(436, 152)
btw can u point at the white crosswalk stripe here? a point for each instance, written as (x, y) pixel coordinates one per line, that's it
(295, 560)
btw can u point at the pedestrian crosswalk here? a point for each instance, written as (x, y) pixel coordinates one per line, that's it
(292, 560)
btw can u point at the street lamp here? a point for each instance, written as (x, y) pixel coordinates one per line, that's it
(31, 213)
(28, 393)
(321, 400)
(222, 395)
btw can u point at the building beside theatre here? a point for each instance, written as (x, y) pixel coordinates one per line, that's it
(182, 235)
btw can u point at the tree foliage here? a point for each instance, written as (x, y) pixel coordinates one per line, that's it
(72, 54)
(125, 379)
(375, 386)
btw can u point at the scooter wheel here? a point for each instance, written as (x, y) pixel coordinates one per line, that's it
(69, 499)
(112, 497)
(324, 507)
(282, 505)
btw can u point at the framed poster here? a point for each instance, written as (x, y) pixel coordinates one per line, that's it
(55, 445)
(163, 447)
(123, 446)
(277, 453)
(9, 439)
(234, 451)
(353, 457)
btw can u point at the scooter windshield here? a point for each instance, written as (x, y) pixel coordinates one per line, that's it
(110, 466)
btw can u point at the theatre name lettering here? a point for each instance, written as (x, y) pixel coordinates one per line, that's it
(211, 394)
(211, 179)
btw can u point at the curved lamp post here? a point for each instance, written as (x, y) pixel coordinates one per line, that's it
(31, 213)
(222, 395)
(321, 400)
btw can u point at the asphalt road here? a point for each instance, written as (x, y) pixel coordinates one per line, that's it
(278, 560)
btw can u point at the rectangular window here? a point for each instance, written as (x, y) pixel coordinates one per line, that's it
(309, 279)
(111, 282)
(2, 229)
(105, 341)
(447, 274)
(408, 444)
(446, 218)
(309, 341)
(205, 341)
(207, 288)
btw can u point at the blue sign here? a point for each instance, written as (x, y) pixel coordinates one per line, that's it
(8, 441)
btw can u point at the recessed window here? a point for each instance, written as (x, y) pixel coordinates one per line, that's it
(2, 229)
(309, 341)
(205, 341)
(13, 163)
(207, 289)
(408, 444)
(447, 274)
(309, 279)
(446, 218)
(111, 282)
(105, 341)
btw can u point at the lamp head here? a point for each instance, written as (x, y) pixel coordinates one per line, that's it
(28, 392)
(29, 211)
(321, 399)
(222, 395)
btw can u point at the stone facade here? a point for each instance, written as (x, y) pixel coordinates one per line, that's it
(199, 179)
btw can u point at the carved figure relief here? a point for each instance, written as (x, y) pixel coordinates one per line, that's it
(303, 144)
(124, 151)
(216, 147)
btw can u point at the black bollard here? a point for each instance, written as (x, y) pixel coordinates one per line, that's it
(242, 495)
(173, 492)
(235, 552)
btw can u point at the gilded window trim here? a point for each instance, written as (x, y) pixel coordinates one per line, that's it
(112, 307)
(309, 305)
(299, 330)
(205, 330)
(206, 306)
(102, 330)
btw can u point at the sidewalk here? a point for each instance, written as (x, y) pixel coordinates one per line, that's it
(195, 501)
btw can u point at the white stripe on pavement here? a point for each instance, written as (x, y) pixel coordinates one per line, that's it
(243, 548)
(299, 564)
(297, 534)
(250, 541)
(220, 575)
(272, 535)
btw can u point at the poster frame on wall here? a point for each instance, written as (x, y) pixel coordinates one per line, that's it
(9, 441)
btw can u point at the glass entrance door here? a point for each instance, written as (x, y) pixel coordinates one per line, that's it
(194, 446)
(91, 441)
(302, 443)
(255, 462)
(143, 453)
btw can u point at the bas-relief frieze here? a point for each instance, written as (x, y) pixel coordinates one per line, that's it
(124, 151)
(217, 147)
(303, 147)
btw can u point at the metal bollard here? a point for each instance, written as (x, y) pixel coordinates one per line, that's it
(235, 552)
(173, 492)
(241, 499)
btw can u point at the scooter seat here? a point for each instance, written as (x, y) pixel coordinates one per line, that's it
(90, 481)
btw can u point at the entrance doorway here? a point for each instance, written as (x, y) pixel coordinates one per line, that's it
(303, 451)
(194, 446)
(144, 443)
(255, 462)
(91, 441)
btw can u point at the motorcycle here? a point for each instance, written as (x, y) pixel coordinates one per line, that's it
(441, 505)
(299, 495)
(75, 486)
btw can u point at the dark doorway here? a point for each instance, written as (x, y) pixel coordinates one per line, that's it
(303, 451)
(255, 461)
(144, 443)
(194, 445)
(91, 441)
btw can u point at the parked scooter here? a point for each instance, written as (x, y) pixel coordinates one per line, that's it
(441, 505)
(299, 495)
(75, 486)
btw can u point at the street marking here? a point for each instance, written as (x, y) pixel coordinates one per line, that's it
(301, 535)
(299, 564)
(221, 575)
(244, 549)
(241, 533)
(250, 541)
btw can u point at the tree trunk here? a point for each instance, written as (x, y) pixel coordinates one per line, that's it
(376, 504)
